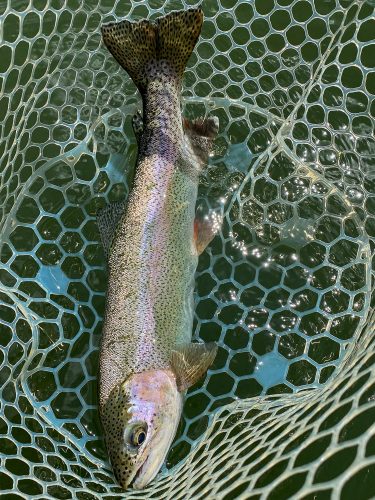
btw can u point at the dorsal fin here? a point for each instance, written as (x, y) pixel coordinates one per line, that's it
(107, 219)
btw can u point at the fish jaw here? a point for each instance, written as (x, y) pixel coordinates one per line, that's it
(169, 417)
(147, 401)
(159, 447)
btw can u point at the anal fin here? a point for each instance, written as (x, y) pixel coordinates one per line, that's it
(190, 362)
(202, 133)
(107, 219)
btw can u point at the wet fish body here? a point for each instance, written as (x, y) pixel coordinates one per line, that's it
(147, 359)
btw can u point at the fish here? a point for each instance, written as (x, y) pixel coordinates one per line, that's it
(152, 242)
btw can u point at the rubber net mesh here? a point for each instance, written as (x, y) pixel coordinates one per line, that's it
(285, 288)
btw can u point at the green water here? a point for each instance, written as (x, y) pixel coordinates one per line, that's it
(86, 162)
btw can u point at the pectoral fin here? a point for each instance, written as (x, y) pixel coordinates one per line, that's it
(107, 219)
(190, 362)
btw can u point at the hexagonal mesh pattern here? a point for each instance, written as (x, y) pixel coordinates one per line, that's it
(284, 289)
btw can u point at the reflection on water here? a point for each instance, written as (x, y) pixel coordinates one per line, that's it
(283, 288)
(266, 281)
(296, 232)
(271, 370)
(53, 279)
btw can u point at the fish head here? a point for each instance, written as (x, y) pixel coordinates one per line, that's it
(140, 419)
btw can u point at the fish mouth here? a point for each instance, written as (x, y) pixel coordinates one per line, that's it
(136, 478)
(147, 471)
(131, 479)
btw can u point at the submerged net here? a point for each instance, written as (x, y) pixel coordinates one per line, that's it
(284, 289)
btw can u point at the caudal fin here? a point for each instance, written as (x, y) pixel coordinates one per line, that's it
(138, 46)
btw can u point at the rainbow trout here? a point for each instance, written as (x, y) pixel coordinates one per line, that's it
(147, 360)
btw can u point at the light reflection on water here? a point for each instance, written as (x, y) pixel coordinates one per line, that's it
(271, 370)
(268, 300)
(53, 279)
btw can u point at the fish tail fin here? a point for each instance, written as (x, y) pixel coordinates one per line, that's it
(138, 47)
(178, 33)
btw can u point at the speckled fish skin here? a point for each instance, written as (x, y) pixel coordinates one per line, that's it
(152, 260)
(153, 257)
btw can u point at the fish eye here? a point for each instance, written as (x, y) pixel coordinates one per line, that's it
(138, 436)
